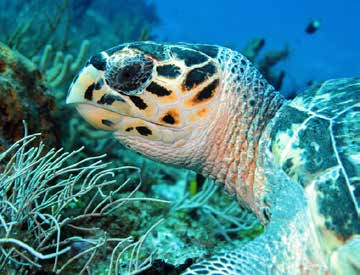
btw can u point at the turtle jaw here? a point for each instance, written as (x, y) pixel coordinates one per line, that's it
(99, 117)
(83, 85)
(85, 91)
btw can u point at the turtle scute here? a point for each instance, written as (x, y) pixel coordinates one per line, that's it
(316, 140)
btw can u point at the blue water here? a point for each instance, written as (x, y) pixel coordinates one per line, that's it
(333, 51)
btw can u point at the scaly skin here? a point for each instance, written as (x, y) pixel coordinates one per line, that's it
(231, 150)
(206, 108)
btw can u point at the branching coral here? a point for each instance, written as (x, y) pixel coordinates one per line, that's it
(231, 219)
(58, 36)
(40, 228)
(267, 62)
(64, 24)
(19, 33)
(63, 69)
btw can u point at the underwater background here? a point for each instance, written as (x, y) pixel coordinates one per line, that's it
(84, 211)
(331, 52)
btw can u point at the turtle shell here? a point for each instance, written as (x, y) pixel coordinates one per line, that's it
(316, 140)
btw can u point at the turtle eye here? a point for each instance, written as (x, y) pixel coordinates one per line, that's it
(128, 75)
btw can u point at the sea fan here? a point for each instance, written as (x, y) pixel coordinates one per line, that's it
(50, 207)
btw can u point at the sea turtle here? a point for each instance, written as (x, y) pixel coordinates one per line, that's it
(295, 164)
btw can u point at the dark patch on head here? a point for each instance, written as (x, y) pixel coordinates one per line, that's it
(243, 62)
(169, 119)
(207, 92)
(144, 131)
(199, 75)
(138, 101)
(129, 129)
(89, 92)
(156, 51)
(109, 99)
(98, 61)
(169, 71)
(158, 90)
(99, 84)
(190, 57)
(107, 122)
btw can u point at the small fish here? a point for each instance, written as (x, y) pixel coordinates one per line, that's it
(313, 26)
(196, 184)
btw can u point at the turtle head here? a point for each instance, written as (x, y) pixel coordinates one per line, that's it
(158, 99)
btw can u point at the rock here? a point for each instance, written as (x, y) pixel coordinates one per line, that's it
(24, 96)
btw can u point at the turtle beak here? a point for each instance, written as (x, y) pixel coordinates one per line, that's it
(85, 93)
(87, 80)
(83, 86)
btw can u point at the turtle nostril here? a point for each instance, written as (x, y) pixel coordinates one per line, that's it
(98, 61)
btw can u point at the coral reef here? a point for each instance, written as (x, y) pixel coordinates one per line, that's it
(67, 33)
(63, 68)
(65, 24)
(201, 225)
(53, 215)
(33, 17)
(266, 62)
(24, 96)
(74, 217)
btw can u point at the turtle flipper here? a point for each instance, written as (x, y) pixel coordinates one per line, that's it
(288, 245)
(245, 261)
(265, 255)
